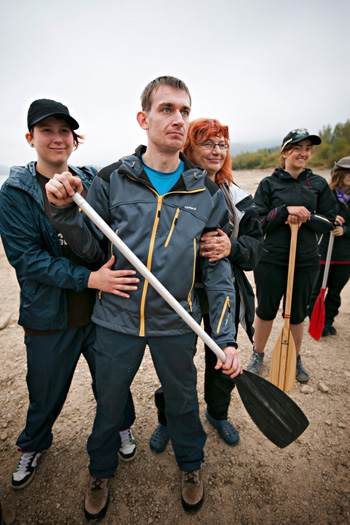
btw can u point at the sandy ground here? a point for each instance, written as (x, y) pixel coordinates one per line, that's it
(255, 482)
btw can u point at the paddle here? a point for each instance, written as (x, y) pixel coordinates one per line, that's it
(284, 359)
(274, 413)
(318, 313)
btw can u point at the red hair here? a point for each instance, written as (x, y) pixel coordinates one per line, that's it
(78, 139)
(199, 131)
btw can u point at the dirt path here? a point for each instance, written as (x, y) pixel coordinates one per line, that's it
(308, 482)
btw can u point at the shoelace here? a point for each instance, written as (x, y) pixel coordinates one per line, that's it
(97, 484)
(24, 461)
(192, 477)
(126, 438)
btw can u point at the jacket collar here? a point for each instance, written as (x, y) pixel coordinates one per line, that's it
(24, 178)
(282, 174)
(191, 179)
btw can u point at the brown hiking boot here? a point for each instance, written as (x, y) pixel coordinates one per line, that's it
(192, 495)
(96, 498)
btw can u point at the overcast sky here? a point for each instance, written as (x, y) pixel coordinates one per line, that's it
(262, 67)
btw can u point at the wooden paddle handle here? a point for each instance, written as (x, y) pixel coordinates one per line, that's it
(291, 266)
(283, 359)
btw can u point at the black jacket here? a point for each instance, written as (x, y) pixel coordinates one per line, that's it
(341, 248)
(245, 254)
(272, 197)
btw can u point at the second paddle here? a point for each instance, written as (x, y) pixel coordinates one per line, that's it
(283, 359)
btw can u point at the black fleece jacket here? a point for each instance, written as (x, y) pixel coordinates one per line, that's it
(272, 197)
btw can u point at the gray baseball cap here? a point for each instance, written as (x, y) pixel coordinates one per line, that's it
(343, 163)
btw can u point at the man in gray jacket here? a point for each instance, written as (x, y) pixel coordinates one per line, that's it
(159, 204)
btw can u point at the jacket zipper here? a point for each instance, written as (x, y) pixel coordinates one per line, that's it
(151, 248)
(194, 272)
(149, 264)
(177, 213)
(226, 305)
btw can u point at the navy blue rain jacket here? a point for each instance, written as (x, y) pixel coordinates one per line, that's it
(32, 247)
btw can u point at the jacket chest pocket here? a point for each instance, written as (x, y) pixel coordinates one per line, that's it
(173, 224)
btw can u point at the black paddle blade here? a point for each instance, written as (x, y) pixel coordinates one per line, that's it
(277, 416)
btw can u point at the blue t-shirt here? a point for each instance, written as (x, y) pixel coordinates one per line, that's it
(163, 182)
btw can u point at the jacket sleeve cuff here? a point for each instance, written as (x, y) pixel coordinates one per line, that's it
(229, 343)
(284, 211)
(84, 279)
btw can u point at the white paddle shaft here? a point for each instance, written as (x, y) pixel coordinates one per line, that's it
(328, 260)
(157, 285)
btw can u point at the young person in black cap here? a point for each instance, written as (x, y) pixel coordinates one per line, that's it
(339, 270)
(292, 194)
(57, 287)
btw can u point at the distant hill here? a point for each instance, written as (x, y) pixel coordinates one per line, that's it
(252, 147)
(335, 145)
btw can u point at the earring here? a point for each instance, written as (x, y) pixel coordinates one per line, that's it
(32, 144)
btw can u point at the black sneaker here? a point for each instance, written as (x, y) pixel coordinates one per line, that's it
(256, 361)
(326, 331)
(332, 330)
(25, 470)
(301, 374)
(127, 450)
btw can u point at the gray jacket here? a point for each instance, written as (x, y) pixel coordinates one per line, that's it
(163, 231)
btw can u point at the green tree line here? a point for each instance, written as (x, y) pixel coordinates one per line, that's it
(335, 145)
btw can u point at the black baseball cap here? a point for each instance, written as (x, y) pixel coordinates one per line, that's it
(297, 135)
(44, 107)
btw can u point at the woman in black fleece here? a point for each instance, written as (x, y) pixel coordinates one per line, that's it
(292, 194)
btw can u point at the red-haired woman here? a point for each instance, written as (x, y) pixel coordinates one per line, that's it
(207, 146)
(58, 288)
(292, 194)
(339, 271)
